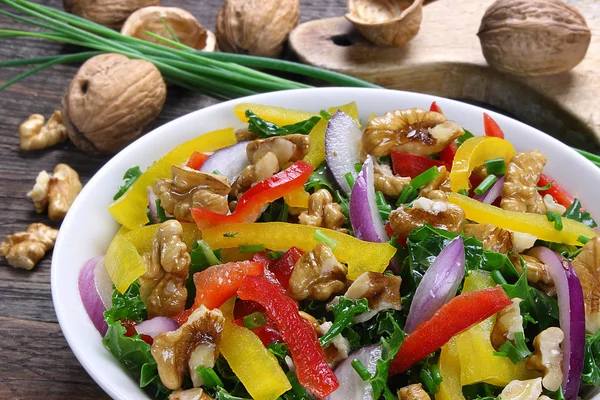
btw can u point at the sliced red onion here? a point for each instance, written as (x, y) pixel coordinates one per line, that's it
(95, 290)
(229, 161)
(439, 284)
(352, 387)
(492, 193)
(364, 214)
(342, 148)
(571, 316)
(155, 326)
(152, 206)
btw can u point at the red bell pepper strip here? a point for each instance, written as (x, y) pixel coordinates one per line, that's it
(447, 155)
(196, 160)
(282, 268)
(412, 165)
(311, 365)
(250, 204)
(267, 333)
(458, 314)
(491, 128)
(218, 283)
(558, 193)
(436, 108)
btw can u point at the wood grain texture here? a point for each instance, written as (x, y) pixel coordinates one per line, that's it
(36, 361)
(445, 59)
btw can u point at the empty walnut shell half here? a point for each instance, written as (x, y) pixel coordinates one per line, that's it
(110, 13)
(183, 25)
(110, 101)
(386, 22)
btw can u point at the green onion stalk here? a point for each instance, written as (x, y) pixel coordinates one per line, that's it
(219, 75)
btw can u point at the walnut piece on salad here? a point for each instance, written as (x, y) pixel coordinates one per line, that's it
(547, 357)
(491, 237)
(381, 291)
(508, 322)
(317, 275)
(190, 394)
(24, 249)
(438, 188)
(413, 392)
(386, 182)
(55, 193)
(587, 266)
(519, 192)
(323, 211)
(173, 350)
(189, 188)
(522, 390)
(35, 135)
(162, 286)
(439, 214)
(414, 130)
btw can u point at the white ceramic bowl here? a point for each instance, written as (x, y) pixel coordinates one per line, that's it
(88, 227)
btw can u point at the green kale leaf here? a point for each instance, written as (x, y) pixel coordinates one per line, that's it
(343, 312)
(575, 213)
(131, 175)
(265, 129)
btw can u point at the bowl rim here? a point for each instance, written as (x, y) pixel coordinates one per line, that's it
(70, 332)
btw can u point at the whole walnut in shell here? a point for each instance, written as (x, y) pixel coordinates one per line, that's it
(256, 27)
(533, 37)
(110, 13)
(110, 101)
(386, 22)
(182, 24)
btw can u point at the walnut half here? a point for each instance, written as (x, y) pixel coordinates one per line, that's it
(522, 390)
(323, 211)
(413, 392)
(381, 291)
(25, 249)
(547, 357)
(34, 135)
(519, 192)
(439, 214)
(55, 192)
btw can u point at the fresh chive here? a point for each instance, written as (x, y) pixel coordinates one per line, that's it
(251, 248)
(460, 140)
(485, 184)
(350, 179)
(216, 172)
(547, 186)
(361, 370)
(428, 381)
(230, 234)
(497, 166)
(425, 177)
(497, 277)
(407, 195)
(556, 218)
(515, 352)
(325, 115)
(583, 239)
(274, 255)
(463, 192)
(384, 208)
(358, 167)
(168, 28)
(209, 376)
(434, 370)
(320, 237)
(254, 320)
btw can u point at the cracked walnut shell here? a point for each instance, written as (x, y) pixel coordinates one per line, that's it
(386, 22)
(183, 25)
(256, 27)
(533, 37)
(110, 101)
(110, 13)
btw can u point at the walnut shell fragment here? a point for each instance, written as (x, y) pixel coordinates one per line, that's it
(256, 27)
(110, 101)
(183, 25)
(533, 37)
(110, 13)
(386, 22)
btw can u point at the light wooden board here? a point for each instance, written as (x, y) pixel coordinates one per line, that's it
(445, 59)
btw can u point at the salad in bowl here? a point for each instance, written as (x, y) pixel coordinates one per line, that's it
(318, 254)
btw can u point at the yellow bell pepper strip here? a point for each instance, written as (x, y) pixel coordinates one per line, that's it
(252, 363)
(227, 307)
(123, 263)
(316, 155)
(473, 153)
(449, 363)
(359, 255)
(297, 198)
(130, 209)
(475, 351)
(142, 237)
(533, 224)
(277, 115)
(250, 205)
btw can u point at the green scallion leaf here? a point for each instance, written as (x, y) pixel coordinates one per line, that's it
(466, 136)
(251, 248)
(425, 177)
(408, 194)
(583, 239)
(230, 234)
(485, 184)
(254, 320)
(498, 277)
(556, 218)
(515, 352)
(464, 192)
(497, 166)
(350, 179)
(322, 238)
(325, 115)
(361, 370)
(209, 376)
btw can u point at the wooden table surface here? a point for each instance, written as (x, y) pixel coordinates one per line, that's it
(35, 360)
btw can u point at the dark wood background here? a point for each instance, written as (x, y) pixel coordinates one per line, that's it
(35, 360)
